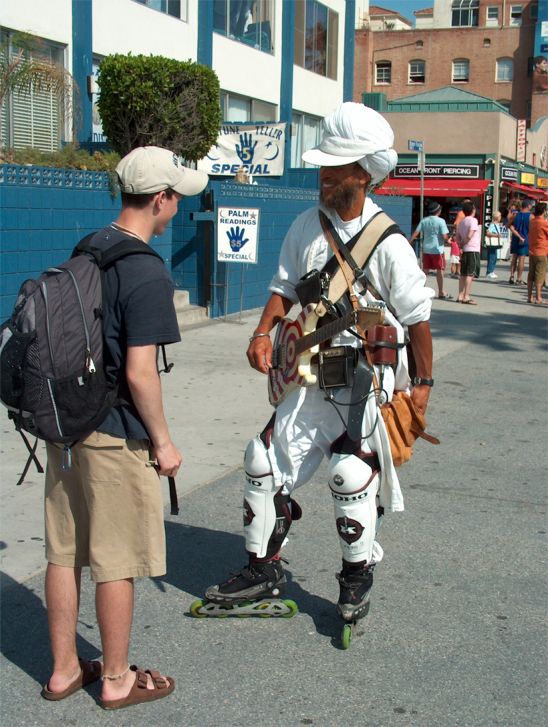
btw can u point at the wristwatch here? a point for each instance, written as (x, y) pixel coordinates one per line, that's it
(418, 380)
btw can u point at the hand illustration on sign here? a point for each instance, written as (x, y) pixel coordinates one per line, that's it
(245, 149)
(236, 238)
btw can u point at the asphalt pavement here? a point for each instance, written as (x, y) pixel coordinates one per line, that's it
(456, 635)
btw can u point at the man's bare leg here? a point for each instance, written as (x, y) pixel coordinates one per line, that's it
(114, 607)
(63, 602)
(530, 284)
(467, 287)
(521, 267)
(439, 279)
(513, 261)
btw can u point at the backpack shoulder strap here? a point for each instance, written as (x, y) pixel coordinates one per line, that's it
(362, 246)
(105, 258)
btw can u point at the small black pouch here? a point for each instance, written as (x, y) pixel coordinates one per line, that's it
(336, 367)
(310, 287)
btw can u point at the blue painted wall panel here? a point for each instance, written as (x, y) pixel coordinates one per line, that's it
(44, 215)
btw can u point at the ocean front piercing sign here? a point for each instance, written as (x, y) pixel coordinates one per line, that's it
(456, 171)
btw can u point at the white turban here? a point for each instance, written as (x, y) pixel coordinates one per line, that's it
(355, 133)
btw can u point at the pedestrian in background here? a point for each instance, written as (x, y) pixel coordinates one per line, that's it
(454, 256)
(496, 234)
(519, 247)
(434, 232)
(538, 253)
(469, 241)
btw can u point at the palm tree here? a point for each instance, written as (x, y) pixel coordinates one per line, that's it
(25, 67)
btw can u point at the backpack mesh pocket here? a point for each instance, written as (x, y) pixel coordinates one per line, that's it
(33, 384)
(15, 348)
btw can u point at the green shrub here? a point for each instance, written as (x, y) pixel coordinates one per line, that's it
(70, 157)
(148, 100)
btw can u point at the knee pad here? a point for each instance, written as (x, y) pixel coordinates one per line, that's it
(267, 512)
(354, 484)
(350, 477)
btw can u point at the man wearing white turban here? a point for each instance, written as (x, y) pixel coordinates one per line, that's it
(355, 153)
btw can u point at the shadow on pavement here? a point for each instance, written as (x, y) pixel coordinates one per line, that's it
(199, 557)
(24, 631)
(498, 331)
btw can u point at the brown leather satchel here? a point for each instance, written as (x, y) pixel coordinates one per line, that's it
(404, 424)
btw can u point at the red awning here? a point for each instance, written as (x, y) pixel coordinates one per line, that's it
(532, 192)
(438, 187)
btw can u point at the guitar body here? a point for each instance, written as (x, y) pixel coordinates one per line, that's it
(291, 369)
(297, 341)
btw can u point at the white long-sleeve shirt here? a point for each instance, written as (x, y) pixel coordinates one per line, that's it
(393, 270)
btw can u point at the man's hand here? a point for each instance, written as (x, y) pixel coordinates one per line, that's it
(259, 351)
(420, 395)
(169, 459)
(259, 354)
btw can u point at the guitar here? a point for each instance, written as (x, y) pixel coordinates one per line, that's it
(297, 341)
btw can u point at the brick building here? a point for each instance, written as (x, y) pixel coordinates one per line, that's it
(482, 46)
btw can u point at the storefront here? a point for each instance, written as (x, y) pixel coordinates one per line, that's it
(447, 181)
(516, 185)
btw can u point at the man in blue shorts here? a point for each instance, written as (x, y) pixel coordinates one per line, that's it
(519, 247)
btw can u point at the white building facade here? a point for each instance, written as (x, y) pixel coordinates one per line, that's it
(276, 60)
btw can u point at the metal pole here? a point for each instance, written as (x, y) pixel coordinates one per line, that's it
(241, 291)
(421, 158)
(227, 267)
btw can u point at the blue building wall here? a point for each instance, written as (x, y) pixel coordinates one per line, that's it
(194, 264)
(44, 212)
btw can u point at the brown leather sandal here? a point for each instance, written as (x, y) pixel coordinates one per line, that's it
(139, 692)
(90, 671)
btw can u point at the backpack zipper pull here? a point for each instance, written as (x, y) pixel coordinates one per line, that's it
(90, 365)
(66, 461)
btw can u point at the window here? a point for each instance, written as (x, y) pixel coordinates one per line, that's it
(516, 12)
(461, 71)
(241, 108)
(465, 13)
(35, 117)
(383, 72)
(416, 71)
(305, 134)
(175, 8)
(533, 11)
(492, 17)
(316, 37)
(505, 70)
(248, 21)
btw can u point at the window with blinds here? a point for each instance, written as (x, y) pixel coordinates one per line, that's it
(31, 116)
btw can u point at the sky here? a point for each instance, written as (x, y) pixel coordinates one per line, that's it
(404, 7)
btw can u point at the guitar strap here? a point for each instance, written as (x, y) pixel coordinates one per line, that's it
(363, 373)
(356, 255)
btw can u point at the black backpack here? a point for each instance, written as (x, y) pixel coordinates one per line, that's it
(51, 348)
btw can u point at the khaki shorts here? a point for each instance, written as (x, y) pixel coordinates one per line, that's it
(106, 510)
(537, 269)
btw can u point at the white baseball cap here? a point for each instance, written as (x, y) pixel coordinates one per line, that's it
(151, 169)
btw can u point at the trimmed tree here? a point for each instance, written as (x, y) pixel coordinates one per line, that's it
(152, 100)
